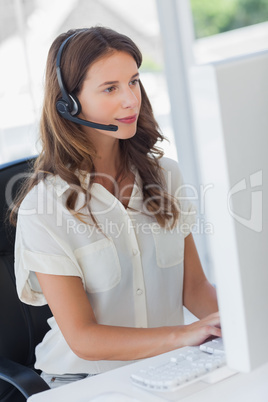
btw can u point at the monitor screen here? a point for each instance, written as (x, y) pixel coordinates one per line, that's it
(230, 108)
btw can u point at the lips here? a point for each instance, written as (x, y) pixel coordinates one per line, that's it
(128, 119)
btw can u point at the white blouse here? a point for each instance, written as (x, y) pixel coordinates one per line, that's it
(133, 275)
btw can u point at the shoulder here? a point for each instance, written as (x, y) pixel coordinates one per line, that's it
(170, 165)
(167, 163)
(32, 197)
(171, 172)
(49, 188)
(51, 184)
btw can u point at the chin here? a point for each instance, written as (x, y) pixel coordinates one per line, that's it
(126, 134)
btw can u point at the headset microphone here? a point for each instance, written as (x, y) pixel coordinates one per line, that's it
(69, 106)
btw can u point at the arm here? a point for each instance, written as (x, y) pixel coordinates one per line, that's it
(199, 296)
(92, 341)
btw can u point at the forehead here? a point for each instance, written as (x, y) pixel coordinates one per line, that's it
(113, 66)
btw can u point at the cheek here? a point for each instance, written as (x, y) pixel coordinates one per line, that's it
(96, 107)
(138, 96)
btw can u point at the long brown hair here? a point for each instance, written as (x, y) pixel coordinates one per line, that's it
(66, 148)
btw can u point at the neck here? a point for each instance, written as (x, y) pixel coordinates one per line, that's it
(108, 158)
(108, 168)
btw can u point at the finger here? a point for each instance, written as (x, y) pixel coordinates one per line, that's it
(214, 331)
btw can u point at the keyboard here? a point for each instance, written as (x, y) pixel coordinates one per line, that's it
(185, 366)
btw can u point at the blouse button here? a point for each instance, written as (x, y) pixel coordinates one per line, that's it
(139, 292)
(135, 251)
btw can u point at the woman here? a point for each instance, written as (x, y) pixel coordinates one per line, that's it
(103, 229)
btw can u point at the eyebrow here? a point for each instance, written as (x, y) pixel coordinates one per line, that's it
(116, 82)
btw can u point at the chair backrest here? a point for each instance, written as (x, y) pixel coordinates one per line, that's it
(22, 326)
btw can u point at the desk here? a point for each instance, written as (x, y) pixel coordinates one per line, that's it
(252, 387)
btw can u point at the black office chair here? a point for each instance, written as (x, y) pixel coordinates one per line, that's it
(22, 326)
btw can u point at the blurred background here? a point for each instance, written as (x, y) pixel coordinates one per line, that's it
(173, 35)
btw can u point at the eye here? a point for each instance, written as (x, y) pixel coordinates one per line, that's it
(134, 82)
(110, 89)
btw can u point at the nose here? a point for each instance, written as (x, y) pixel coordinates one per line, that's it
(130, 99)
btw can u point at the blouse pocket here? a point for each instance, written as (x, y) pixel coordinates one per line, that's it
(100, 264)
(169, 246)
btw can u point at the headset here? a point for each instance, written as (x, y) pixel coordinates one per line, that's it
(68, 106)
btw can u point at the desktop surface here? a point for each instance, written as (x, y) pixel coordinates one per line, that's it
(245, 387)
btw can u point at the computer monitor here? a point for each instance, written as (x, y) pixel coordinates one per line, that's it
(230, 107)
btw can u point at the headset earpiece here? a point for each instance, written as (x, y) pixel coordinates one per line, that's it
(76, 105)
(62, 107)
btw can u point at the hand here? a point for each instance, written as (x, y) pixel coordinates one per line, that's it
(197, 332)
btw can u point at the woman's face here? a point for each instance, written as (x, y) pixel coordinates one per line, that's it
(111, 94)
